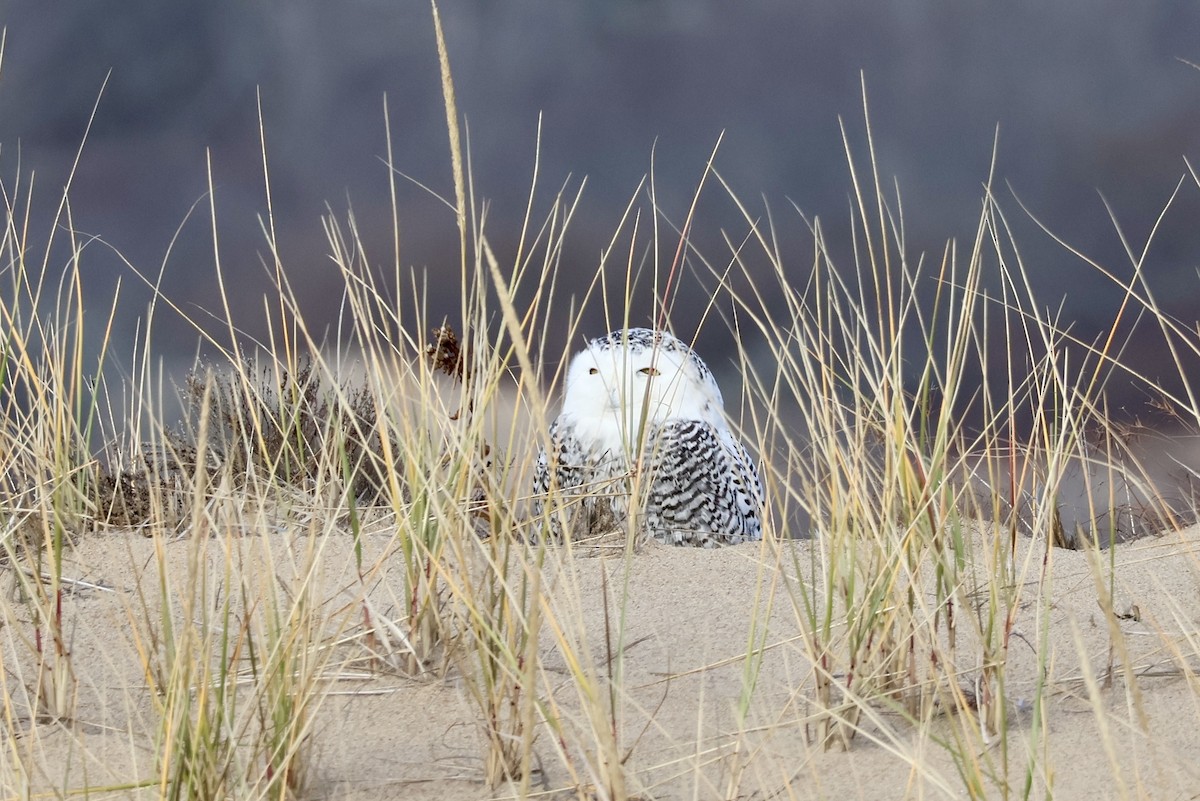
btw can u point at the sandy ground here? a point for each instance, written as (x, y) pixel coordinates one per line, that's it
(688, 619)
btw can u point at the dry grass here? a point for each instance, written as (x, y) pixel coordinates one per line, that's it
(330, 513)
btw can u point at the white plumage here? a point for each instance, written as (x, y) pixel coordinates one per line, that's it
(641, 401)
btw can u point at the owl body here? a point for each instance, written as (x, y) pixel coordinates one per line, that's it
(642, 410)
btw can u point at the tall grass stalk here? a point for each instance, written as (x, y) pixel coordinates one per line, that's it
(51, 407)
(913, 599)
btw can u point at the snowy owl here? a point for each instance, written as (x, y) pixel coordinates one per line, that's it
(644, 392)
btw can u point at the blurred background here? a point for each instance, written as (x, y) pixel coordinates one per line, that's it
(1094, 100)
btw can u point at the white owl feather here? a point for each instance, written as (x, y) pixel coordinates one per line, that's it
(643, 398)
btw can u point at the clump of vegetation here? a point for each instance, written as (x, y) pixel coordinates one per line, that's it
(268, 421)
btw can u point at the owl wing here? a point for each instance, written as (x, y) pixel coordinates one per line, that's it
(705, 488)
(556, 463)
(587, 481)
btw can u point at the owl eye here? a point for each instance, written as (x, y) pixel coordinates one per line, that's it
(649, 371)
(593, 371)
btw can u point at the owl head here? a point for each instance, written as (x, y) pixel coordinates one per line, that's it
(633, 376)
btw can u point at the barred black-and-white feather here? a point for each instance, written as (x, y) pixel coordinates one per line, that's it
(641, 411)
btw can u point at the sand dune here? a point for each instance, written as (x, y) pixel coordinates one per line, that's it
(688, 616)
